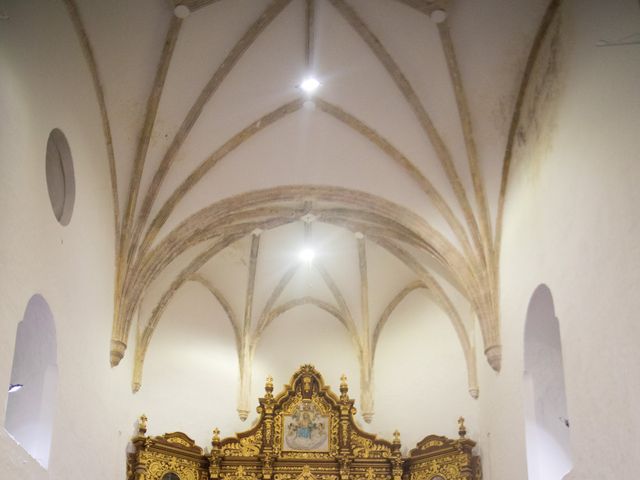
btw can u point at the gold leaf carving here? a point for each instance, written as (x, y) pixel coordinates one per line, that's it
(433, 443)
(365, 448)
(178, 440)
(158, 464)
(448, 466)
(240, 474)
(245, 447)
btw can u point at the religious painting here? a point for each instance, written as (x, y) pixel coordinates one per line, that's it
(306, 429)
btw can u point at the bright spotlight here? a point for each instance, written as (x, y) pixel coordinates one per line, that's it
(309, 84)
(307, 255)
(14, 387)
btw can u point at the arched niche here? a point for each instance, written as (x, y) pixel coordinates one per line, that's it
(170, 476)
(546, 417)
(30, 408)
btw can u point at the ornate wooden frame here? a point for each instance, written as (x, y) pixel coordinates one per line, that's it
(258, 454)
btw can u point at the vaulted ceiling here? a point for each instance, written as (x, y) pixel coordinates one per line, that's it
(393, 170)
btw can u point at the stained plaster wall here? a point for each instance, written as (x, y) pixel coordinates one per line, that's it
(572, 222)
(45, 84)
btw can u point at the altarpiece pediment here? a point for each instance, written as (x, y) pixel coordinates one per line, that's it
(306, 432)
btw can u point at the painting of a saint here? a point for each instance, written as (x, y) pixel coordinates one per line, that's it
(306, 429)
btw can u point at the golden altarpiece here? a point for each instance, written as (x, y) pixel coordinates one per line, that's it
(305, 433)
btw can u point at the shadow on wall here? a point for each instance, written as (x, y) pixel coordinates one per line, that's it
(30, 409)
(546, 419)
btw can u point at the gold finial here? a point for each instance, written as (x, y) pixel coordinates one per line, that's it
(344, 388)
(268, 386)
(462, 430)
(142, 424)
(306, 383)
(216, 436)
(396, 437)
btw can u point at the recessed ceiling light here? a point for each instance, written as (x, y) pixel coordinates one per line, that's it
(309, 84)
(307, 255)
(14, 387)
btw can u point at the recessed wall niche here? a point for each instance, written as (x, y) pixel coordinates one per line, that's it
(30, 408)
(60, 177)
(546, 415)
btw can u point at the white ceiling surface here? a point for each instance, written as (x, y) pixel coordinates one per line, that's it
(492, 39)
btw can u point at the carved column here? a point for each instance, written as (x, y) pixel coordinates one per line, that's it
(396, 460)
(346, 407)
(215, 456)
(266, 409)
(138, 464)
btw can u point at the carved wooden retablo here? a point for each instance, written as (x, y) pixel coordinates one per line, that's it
(305, 433)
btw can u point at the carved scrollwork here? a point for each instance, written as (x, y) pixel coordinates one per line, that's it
(159, 464)
(369, 474)
(306, 474)
(240, 474)
(244, 447)
(451, 467)
(362, 447)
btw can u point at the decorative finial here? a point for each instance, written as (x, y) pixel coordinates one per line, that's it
(344, 388)
(306, 384)
(216, 437)
(396, 437)
(462, 430)
(142, 424)
(268, 386)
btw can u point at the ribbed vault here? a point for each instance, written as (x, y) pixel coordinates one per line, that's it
(394, 153)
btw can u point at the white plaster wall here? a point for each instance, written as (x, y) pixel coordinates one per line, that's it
(572, 222)
(190, 380)
(44, 83)
(421, 375)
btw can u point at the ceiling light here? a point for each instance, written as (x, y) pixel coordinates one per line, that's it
(14, 387)
(309, 84)
(307, 255)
